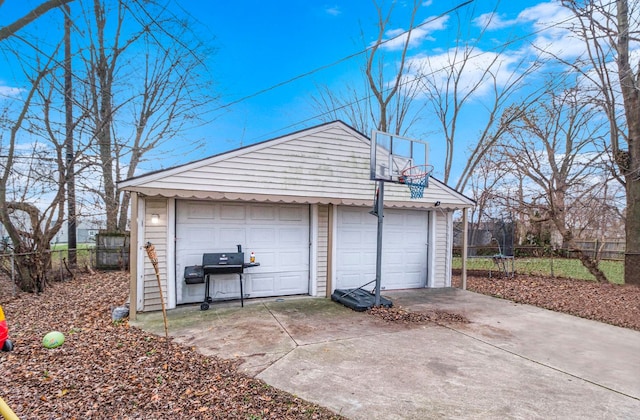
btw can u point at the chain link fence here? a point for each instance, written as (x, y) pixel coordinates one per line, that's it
(95, 257)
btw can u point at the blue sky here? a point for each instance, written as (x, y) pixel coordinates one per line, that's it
(261, 44)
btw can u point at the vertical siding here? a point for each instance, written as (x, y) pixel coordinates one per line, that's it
(442, 249)
(157, 235)
(323, 244)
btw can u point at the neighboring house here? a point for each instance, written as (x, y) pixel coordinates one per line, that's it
(86, 232)
(301, 203)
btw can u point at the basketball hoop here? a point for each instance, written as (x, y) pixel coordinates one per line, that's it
(416, 178)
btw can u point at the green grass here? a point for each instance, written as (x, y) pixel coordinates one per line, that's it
(570, 268)
(83, 253)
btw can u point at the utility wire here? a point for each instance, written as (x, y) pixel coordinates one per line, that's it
(409, 81)
(349, 57)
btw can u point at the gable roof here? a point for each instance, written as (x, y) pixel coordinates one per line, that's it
(328, 163)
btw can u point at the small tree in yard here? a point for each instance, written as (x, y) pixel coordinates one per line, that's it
(32, 181)
(555, 147)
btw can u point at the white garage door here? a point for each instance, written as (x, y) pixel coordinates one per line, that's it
(404, 249)
(277, 234)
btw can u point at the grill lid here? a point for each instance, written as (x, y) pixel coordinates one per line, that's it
(223, 262)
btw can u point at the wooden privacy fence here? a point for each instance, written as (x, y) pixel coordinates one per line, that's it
(606, 250)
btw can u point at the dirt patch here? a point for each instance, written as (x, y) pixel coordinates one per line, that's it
(610, 303)
(112, 370)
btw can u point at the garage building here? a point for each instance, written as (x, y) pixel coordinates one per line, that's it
(301, 203)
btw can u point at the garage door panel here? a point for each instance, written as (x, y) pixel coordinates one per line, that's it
(350, 259)
(404, 256)
(412, 255)
(413, 236)
(351, 237)
(261, 284)
(268, 261)
(195, 212)
(352, 217)
(289, 283)
(194, 258)
(293, 236)
(228, 238)
(286, 258)
(261, 236)
(194, 293)
(355, 280)
(262, 213)
(278, 234)
(232, 212)
(357, 260)
(292, 214)
(199, 238)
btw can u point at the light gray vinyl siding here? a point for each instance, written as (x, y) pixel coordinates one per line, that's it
(323, 249)
(442, 249)
(330, 163)
(157, 235)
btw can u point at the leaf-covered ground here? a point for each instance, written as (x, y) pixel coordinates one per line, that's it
(110, 370)
(610, 303)
(401, 315)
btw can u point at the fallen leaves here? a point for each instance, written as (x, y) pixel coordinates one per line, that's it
(110, 369)
(398, 314)
(610, 303)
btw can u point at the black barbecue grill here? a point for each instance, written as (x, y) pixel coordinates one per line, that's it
(214, 263)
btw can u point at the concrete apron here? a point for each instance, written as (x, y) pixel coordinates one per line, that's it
(510, 361)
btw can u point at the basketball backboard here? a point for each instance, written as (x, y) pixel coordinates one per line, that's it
(391, 154)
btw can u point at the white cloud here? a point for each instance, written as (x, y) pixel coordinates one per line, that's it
(333, 10)
(9, 92)
(492, 21)
(548, 23)
(438, 68)
(396, 38)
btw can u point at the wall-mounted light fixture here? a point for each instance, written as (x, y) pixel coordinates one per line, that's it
(155, 219)
(436, 204)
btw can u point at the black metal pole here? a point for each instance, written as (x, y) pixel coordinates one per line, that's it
(379, 210)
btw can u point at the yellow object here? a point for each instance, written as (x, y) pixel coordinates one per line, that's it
(1, 314)
(7, 412)
(252, 258)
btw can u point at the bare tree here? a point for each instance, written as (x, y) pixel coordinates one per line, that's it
(12, 28)
(144, 87)
(32, 182)
(607, 28)
(555, 146)
(458, 79)
(386, 100)
(384, 91)
(487, 189)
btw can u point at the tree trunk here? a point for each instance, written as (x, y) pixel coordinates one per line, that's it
(632, 231)
(589, 263)
(629, 161)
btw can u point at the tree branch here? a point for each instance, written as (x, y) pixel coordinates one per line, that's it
(9, 30)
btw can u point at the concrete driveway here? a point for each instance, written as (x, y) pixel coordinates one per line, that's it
(511, 360)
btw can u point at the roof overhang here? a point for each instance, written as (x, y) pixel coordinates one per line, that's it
(289, 199)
